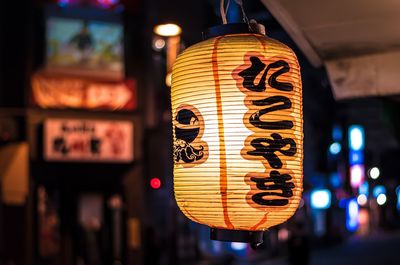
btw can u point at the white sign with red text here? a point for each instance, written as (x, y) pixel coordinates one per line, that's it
(88, 140)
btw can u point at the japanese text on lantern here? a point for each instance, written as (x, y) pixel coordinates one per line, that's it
(269, 91)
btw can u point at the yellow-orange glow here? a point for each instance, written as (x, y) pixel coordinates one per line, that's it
(233, 98)
(167, 30)
(168, 78)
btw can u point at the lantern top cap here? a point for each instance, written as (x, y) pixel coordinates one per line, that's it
(231, 28)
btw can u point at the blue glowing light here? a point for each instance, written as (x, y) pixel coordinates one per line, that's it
(63, 3)
(356, 137)
(238, 246)
(352, 213)
(398, 197)
(343, 203)
(364, 189)
(337, 133)
(378, 190)
(335, 180)
(335, 148)
(216, 246)
(356, 157)
(321, 199)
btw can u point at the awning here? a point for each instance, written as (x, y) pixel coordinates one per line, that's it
(357, 40)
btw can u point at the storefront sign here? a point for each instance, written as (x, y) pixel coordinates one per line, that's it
(77, 93)
(88, 140)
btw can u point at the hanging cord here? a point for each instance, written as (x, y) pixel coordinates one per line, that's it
(227, 7)
(253, 25)
(224, 10)
(245, 19)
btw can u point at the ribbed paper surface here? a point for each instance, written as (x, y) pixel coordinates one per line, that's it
(238, 138)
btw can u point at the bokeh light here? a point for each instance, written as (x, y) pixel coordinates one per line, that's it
(374, 173)
(362, 199)
(155, 183)
(381, 199)
(167, 30)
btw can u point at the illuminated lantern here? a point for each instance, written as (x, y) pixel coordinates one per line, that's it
(238, 137)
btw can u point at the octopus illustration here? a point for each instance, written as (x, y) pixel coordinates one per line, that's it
(185, 152)
(187, 146)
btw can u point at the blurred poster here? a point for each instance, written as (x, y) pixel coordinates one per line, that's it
(88, 140)
(76, 93)
(91, 211)
(85, 47)
(49, 238)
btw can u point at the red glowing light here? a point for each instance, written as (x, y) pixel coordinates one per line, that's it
(155, 183)
(107, 3)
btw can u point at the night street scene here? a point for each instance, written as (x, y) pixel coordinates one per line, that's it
(210, 132)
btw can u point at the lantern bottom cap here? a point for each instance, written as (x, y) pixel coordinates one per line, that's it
(245, 236)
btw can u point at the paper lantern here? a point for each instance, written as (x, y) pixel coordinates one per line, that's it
(238, 139)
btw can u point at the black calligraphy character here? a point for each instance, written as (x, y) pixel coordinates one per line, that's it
(250, 74)
(257, 66)
(272, 185)
(95, 144)
(59, 145)
(274, 145)
(273, 82)
(255, 118)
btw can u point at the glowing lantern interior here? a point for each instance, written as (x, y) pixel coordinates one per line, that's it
(238, 139)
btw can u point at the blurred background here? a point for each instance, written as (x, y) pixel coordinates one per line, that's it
(79, 74)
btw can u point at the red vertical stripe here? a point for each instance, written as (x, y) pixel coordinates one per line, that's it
(223, 180)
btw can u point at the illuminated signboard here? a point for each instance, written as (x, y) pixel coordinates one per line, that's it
(57, 92)
(356, 155)
(352, 213)
(88, 140)
(356, 138)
